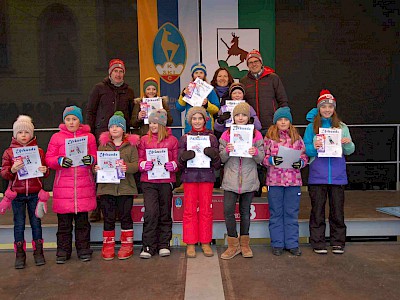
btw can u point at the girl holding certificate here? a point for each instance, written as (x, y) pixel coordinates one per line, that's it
(199, 144)
(327, 175)
(239, 183)
(74, 190)
(158, 155)
(284, 183)
(117, 198)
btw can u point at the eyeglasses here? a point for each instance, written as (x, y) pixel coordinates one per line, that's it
(255, 62)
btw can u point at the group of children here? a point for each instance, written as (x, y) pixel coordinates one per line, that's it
(75, 189)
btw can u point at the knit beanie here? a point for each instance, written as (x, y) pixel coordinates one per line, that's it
(325, 97)
(241, 108)
(236, 86)
(283, 112)
(115, 63)
(198, 66)
(159, 116)
(73, 110)
(194, 110)
(118, 119)
(148, 82)
(254, 53)
(23, 122)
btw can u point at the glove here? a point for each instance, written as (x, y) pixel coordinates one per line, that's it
(170, 166)
(225, 116)
(146, 165)
(211, 153)
(5, 204)
(251, 120)
(297, 164)
(87, 160)
(41, 206)
(187, 155)
(65, 162)
(276, 160)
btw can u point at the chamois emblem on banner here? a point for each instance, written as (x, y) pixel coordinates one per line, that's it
(169, 52)
(233, 46)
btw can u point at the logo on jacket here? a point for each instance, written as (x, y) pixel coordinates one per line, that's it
(169, 52)
(178, 202)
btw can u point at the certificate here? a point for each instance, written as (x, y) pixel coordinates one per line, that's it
(230, 105)
(76, 149)
(149, 105)
(159, 157)
(107, 161)
(198, 91)
(289, 157)
(197, 143)
(31, 158)
(241, 137)
(332, 142)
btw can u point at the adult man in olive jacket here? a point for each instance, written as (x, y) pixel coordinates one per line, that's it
(107, 97)
(265, 93)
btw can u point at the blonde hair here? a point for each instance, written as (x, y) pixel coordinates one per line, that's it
(273, 133)
(318, 121)
(161, 135)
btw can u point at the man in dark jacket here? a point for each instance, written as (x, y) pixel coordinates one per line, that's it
(265, 93)
(107, 97)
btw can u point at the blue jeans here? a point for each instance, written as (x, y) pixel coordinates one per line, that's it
(19, 205)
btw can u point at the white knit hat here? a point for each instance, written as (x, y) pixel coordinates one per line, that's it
(23, 123)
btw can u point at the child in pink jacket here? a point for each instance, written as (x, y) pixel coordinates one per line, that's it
(74, 190)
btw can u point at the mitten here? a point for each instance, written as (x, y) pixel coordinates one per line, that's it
(65, 162)
(87, 160)
(225, 116)
(170, 166)
(146, 165)
(187, 155)
(5, 204)
(275, 160)
(211, 152)
(41, 206)
(297, 164)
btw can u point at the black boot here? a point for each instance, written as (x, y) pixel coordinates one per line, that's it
(37, 246)
(20, 255)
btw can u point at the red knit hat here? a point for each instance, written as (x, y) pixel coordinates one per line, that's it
(115, 63)
(325, 97)
(254, 53)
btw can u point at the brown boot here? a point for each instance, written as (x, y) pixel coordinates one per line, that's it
(207, 251)
(244, 245)
(233, 248)
(190, 251)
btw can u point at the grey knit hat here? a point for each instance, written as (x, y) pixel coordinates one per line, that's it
(194, 110)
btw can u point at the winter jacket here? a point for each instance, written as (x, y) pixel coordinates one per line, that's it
(326, 170)
(171, 143)
(25, 186)
(128, 152)
(222, 127)
(240, 173)
(74, 188)
(198, 174)
(212, 108)
(105, 99)
(265, 94)
(283, 177)
(138, 125)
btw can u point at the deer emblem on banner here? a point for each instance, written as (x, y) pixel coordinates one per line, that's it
(235, 50)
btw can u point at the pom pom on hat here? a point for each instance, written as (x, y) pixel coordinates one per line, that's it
(283, 112)
(254, 53)
(325, 97)
(242, 108)
(118, 119)
(23, 122)
(115, 63)
(196, 110)
(150, 81)
(198, 66)
(73, 110)
(159, 116)
(236, 86)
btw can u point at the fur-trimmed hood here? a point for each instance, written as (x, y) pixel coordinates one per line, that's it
(132, 139)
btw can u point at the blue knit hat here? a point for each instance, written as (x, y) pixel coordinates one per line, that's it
(118, 119)
(73, 110)
(283, 112)
(198, 66)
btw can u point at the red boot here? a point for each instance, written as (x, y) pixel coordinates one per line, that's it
(108, 250)
(126, 249)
